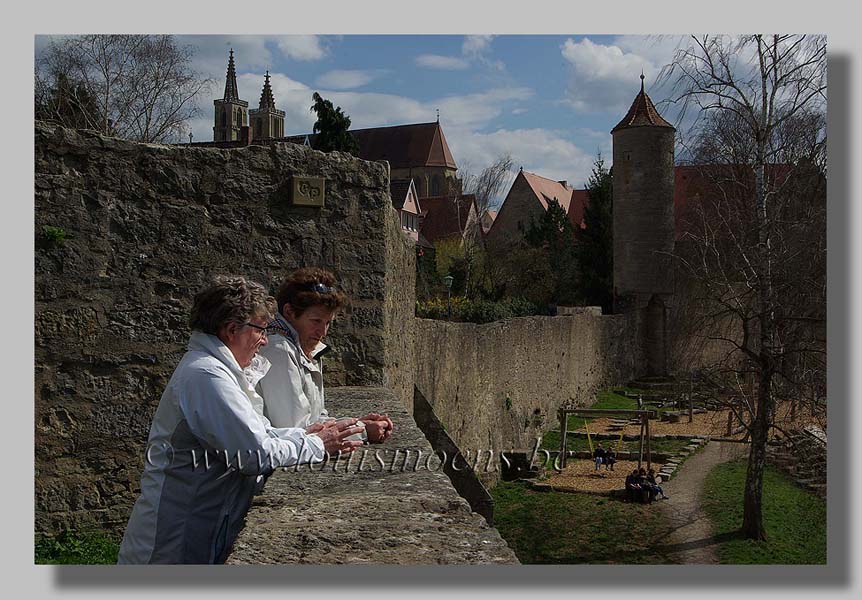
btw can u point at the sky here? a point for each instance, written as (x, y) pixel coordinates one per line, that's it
(548, 100)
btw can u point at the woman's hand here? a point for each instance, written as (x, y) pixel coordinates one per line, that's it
(333, 434)
(378, 427)
(315, 427)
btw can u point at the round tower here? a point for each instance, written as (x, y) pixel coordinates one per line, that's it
(643, 144)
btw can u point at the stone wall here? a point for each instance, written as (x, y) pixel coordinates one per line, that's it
(146, 226)
(383, 506)
(497, 386)
(399, 308)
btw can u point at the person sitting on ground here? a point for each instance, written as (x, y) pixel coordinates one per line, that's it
(189, 513)
(645, 484)
(633, 486)
(599, 456)
(610, 459)
(292, 389)
(652, 481)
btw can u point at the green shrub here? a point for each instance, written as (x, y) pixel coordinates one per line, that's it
(477, 311)
(77, 548)
(53, 237)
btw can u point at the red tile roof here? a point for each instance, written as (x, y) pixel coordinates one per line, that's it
(642, 113)
(404, 146)
(443, 217)
(692, 183)
(576, 209)
(548, 189)
(414, 145)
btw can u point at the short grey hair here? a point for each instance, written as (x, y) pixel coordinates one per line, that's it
(230, 299)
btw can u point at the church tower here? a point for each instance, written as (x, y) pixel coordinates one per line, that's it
(267, 121)
(230, 112)
(643, 221)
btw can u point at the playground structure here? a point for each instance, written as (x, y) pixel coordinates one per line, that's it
(643, 416)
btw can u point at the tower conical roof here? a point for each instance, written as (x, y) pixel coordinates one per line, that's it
(642, 113)
(230, 89)
(266, 98)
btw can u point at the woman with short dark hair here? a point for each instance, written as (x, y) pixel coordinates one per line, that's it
(292, 390)
(208, 449)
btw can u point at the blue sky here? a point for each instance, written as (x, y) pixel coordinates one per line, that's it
(548, 100)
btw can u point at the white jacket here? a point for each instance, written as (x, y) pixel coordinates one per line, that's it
(292, 389)
(188, 512)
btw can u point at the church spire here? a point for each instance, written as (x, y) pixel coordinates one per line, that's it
(266, 98)
(230, 90)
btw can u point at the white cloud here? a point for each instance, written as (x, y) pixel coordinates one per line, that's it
(341, 79)
(474, 45)
(302, 47)
(444, 63)
(605, 77)
(477, 110)
(658, 49)
(474, 49)
(544, 152)
(211, 54)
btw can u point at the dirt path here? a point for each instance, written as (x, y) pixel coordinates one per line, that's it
(691, 539)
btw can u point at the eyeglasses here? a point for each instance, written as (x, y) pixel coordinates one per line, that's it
(263, 330)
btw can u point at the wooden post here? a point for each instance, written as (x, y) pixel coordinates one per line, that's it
(648, 452)
(730, 422)
(690, 408)
(641, 448)
(564, 422)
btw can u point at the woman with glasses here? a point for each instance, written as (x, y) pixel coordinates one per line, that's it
(208, 449)
(292, 389)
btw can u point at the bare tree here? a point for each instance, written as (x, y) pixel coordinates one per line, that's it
(140, 87)
(756, 248)
(485, 186)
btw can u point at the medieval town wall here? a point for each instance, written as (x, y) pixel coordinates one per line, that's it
(145, 227)
(497, 386)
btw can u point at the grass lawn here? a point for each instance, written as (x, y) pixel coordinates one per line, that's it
(795, 519)
(551, 441)
(565, 528)
(71, 548)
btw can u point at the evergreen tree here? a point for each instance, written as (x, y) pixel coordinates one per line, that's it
(70, 104)
(553, 233)
(331, 128)
(595, 248)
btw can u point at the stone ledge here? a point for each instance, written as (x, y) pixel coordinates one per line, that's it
(371, 516)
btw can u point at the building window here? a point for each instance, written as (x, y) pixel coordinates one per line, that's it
(435, 185)
(404, 220)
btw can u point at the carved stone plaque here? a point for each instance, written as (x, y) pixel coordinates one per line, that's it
(307, 191)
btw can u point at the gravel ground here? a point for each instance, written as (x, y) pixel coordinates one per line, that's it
(581, 475)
